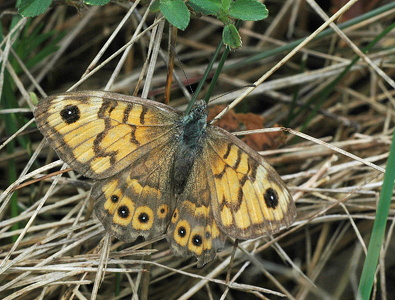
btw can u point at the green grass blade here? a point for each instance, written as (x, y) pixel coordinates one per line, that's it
(378, 231)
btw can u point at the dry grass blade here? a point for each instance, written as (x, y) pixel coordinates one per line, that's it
(331, 103)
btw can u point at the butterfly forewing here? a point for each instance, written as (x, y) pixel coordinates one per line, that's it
(97, 132)
(248, 197)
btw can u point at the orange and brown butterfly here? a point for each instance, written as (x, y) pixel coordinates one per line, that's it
(157, 170)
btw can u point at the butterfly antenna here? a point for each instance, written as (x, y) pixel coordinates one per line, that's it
(232, 91)
(173, 54)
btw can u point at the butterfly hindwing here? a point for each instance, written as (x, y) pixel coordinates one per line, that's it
(193, 230)
(138, 201)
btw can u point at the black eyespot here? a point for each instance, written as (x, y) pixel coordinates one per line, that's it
(114, 198)
(175, 215)
(271, 198)
(162, 210)
(70, 114)
(197, 240)
(208, 235)
(182, 231)
(143, 218)
(123, 211)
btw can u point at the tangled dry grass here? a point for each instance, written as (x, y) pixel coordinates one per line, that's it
(53, 247)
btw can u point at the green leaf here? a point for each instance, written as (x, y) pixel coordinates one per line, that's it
(207, 7)
(231, 37)
(226, 5)
(155, 7)
(32, 8)
(33, 98)
(176, 12)
(198, 9)
(248, 10)
(96, 2)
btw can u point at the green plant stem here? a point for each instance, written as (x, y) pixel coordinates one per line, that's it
(208, 70)
(204, 77)
(219, 69)
(216, 75)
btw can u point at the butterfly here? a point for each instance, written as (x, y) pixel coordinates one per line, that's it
(159, 171)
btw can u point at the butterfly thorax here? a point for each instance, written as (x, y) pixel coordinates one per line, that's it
(192, 131)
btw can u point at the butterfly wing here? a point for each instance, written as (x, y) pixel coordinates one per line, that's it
(100, 133)
(127, 145)
(138, 201)
(193, 230)
(248, 197)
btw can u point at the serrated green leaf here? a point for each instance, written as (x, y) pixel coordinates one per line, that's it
(208, 7)
(96, 2)
(248, 10)
(231, 37)
(32, 8)
(176, 12)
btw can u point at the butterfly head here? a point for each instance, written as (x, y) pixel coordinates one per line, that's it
(194, 123)
(199, 112)
(193, 130)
